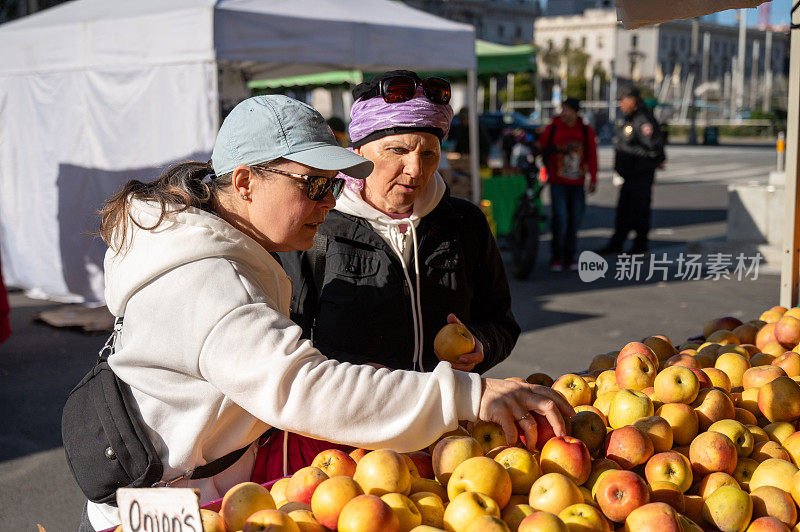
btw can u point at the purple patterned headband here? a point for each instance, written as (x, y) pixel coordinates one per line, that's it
(374, 114)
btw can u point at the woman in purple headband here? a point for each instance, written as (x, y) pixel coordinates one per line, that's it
(399, 258)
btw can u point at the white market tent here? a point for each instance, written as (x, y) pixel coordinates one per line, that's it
(96, 92)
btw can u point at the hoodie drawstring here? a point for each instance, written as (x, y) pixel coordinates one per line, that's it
(414, 289)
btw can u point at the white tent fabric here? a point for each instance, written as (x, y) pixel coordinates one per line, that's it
(638, 13)
(96, 92)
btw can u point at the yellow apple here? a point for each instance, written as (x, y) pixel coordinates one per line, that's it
(383, 471)
(467, 507)
(729, 509)
(481, 475)
(553, 492)
(452, 341)
(627, 406)
(431, 508)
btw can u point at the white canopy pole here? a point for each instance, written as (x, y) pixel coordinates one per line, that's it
(474, 152)
(790, 266)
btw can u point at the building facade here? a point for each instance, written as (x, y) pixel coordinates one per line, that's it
(664, 49)
(499, 21)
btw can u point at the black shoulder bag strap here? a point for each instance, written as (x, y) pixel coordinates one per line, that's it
(316, 256)
(205, 471)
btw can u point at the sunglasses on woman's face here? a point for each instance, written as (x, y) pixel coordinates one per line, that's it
(403, 88)
(317, 187)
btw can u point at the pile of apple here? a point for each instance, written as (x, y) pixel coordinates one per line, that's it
(702, 436)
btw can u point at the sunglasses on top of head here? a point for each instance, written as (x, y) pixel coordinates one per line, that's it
(402, 88)
(317, 187)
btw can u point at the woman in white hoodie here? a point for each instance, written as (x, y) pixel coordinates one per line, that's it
(206, 344)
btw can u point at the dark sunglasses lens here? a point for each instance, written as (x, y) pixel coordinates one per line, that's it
(437, 90)
(318, 187)
(398, 89)
(337, 186)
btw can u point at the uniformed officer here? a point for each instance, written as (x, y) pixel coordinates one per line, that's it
(639, 150)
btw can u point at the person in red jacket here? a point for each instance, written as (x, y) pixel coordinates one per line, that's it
(569, 147)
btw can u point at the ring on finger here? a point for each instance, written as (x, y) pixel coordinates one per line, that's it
(526, 416)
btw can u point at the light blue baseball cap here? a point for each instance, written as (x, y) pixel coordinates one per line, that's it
(265, 128)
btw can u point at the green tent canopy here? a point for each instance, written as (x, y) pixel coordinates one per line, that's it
(493, 60)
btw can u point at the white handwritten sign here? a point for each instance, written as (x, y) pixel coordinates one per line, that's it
(159, 510)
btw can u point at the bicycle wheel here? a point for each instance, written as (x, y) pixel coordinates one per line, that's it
(524, 246)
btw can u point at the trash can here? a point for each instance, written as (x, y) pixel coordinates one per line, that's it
(503, 192)
(711, 136)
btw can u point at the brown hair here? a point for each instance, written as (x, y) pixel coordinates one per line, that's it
(179, 187)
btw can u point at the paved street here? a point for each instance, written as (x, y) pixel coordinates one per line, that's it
(565, 322)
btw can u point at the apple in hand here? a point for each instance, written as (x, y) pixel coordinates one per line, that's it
(452, 341)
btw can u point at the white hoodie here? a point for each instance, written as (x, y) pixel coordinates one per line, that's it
(396, 232)
(213, 360)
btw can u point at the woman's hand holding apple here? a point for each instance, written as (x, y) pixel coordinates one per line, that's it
(509, 403)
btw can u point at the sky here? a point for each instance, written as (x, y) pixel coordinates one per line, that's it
(780, 14)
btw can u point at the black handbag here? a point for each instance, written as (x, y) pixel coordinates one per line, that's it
(105, 442)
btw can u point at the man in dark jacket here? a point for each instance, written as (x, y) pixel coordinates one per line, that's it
(639, 150)
(399, 257)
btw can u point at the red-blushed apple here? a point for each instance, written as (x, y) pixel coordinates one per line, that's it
(710, 452)
(738, 434)
(424, 462)
(712, 482)
(779, 400)
(758, 376)
(467, 507)
(367, 513)
(682, 360)
(787, 331)
(653, 517)
(302, 484)
(522, 468)
(383, 471)
(640, 349)
(789, 362)
(628, 446)
(331, 496)
(769, 501)
(702, 378)
(769, 449)
(729, 509)
(335, 462)
(568, 456)
(768, 524)
(553, 492)
(636, 372)
(670, 467)
(659, 431)
(621, 492)
(712, 405)
(726, 323)
(542, 522)
(358, 454)
(481, 475)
